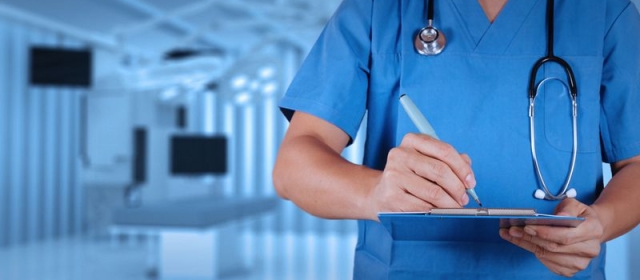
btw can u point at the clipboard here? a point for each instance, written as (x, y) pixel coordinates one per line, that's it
(466, 224)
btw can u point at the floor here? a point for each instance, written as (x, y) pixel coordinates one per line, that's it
(283, 256)
(275, 257)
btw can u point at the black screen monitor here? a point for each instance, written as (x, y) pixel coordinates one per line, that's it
(60, 67)
(198, 155)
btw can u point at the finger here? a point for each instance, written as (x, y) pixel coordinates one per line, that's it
(590, 229)
(399, 200)
(428, 170)
(414, 204)
(429, 192)
(515, 237)
(565, 265)
(590, 248)
(411, 203)
(466, 158)
(516, 240)
(562, 235)
(571, 207)
(439, 172)
(522, 243)
(444, 152)
(560, 263)
(440, 168)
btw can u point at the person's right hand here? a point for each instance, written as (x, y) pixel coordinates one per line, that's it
(422, 173)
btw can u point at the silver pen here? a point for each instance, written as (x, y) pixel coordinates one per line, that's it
(425, 128)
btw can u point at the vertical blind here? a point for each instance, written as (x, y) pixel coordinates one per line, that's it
(256, 130)
(40, 191)
(41, 194)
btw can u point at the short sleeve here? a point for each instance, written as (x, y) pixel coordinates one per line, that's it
(332, 82)
(620, 91)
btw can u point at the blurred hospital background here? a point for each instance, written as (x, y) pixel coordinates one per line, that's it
(137, 139)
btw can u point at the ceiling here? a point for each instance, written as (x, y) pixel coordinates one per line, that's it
(150, 28)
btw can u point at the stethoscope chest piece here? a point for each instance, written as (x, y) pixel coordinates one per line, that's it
(429, 41)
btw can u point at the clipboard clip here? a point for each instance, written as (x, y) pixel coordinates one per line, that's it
(482, 212)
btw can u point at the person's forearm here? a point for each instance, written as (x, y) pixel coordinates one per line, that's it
(321, 182)
(617, 206)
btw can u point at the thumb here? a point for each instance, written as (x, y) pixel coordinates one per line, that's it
(570, 207)
(466, 158)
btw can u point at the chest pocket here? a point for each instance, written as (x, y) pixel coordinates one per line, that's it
(554, 104)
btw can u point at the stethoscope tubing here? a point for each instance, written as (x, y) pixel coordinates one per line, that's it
(436, 45)
(572, 88)
(550, 58)
(574, 116)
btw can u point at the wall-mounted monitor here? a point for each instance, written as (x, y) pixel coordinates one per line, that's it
(60, 67)
(198, 155)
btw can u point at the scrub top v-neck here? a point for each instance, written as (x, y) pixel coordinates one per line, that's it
(474, 94)
(490, 37)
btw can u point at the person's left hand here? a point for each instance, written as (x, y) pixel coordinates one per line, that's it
(565, 251)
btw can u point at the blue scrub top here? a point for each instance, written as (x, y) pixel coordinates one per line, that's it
(475, 95)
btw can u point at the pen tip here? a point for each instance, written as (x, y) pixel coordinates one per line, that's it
(401, 95)
(477, 200)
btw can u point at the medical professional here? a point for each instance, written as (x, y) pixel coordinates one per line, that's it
(476, 94)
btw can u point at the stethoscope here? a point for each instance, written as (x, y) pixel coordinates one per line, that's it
(431, 41)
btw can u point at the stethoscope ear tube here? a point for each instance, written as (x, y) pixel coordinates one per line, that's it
(540, 194)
